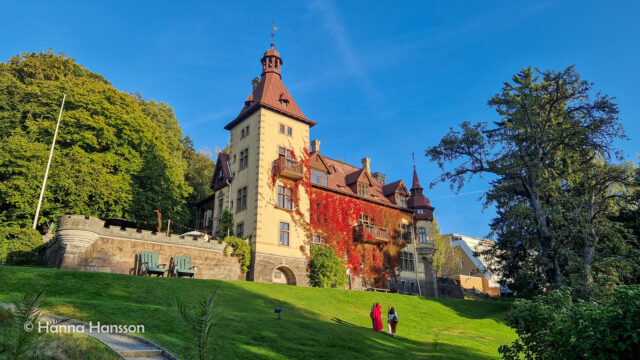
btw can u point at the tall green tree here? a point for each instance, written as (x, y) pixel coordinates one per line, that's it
(550, 123)
(198, 173)
(446, 261)
(117, 155)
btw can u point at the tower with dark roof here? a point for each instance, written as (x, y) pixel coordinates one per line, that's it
(268, 138)
(418, 202)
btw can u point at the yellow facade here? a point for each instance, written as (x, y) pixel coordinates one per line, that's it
(269, 216)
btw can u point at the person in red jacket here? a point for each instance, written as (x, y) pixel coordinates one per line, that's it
(376, 317)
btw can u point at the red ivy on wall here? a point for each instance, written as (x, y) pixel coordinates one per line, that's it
(334, 216)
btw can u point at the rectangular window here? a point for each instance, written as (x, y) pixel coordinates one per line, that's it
(363, 189)
(284, 234)
(420, 211)
(407, 261)
(366, 219)
(244, 159)
(244, 132)
(401, 200)
(422, 235)
(220, 203)
(240, 230)
(242, 199)
(317, 240)
(285, 152)
(405, 232)
(318, 177)
(281, 129)
(289, 131)
(285, 200)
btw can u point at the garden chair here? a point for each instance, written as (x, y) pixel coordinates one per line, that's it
(182, 266)
(149, 264)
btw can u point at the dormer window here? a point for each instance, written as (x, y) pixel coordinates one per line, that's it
(401, 200)
(319, 177)
(420, 211)
(284, 102)
(363, 189)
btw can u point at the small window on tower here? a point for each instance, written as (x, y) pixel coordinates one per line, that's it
(281, 129)
(289, 131)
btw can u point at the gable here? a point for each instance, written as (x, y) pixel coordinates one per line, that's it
(317, 162)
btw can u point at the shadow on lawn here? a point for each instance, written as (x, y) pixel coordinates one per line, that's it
(302, 334)
(476, 309)
(247, 326)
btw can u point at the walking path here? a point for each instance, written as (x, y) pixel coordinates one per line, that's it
(126, 345)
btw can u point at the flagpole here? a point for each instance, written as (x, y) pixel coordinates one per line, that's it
(46, 173)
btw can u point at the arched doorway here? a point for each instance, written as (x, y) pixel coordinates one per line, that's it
(283, 275)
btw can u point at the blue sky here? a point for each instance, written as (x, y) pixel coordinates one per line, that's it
(381, 79)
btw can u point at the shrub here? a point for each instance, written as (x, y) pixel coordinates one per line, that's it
(241, 249)
(326, 269)
(557, 327)
(34, 257)
(16, 239)
(225, 227)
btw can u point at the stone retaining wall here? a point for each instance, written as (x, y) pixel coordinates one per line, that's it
(84, 243)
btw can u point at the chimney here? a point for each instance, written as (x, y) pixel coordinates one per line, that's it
(315, 146)
(366, 164)
(382, 178)
(254, 83)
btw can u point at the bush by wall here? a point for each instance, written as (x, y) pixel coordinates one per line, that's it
(557, 327)
(16, 239)
(326, 269)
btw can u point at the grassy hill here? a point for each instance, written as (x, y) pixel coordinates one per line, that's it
(316, 324)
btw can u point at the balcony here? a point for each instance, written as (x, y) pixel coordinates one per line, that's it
(371, 233)
(288, 168)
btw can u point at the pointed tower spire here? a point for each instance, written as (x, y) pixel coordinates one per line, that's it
(415, 185)
(417, 200)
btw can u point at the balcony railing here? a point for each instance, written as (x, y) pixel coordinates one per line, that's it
(371, 233)
(288, 168)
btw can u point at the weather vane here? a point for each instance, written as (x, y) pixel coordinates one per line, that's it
(273, 33)
(413, 155)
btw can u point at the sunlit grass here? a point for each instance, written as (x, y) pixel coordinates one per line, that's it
(316, 323)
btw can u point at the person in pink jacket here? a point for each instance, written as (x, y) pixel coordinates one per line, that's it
(376, 317)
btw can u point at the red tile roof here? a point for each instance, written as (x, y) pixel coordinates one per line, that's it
(337, 182)
(391, 188)
(270, 93)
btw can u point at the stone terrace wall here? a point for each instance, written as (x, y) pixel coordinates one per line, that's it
(84, 243)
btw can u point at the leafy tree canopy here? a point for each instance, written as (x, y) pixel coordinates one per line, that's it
(117, 155)
(553, 180)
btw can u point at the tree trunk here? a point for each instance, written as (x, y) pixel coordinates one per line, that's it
(546, 241)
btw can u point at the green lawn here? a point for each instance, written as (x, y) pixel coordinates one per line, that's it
(316, 324)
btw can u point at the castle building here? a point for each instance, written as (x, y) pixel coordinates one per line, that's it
(286, 195)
